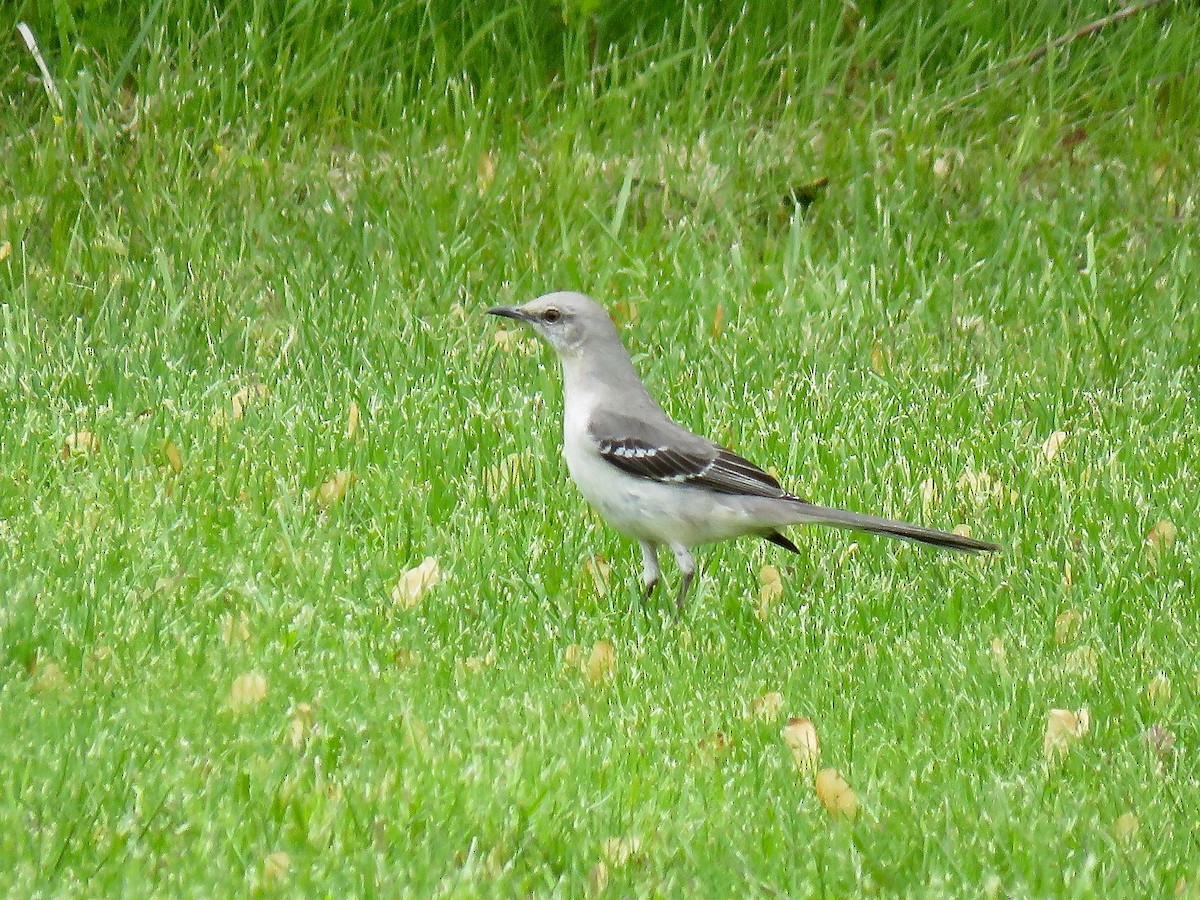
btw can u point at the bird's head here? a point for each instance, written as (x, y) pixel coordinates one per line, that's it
(565, 320)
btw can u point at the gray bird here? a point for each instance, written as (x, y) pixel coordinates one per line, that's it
(654, 480)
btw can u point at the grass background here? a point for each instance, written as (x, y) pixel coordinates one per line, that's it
(324, 200)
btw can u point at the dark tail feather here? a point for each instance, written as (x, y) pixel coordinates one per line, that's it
(778, 537)
(842, 518)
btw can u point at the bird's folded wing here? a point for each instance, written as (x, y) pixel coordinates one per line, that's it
(676, 456)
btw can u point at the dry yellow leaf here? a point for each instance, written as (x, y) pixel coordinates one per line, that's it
(300, 725)
(334, 490)
(5, 250)
(718, 321)
(235, 629)
(770, 589)
(596, 569)
(404, 659)
(978, 483)
(1053, 444)
(476, 664)
(499, 477)
(81, 443)
(961, 530)
(624, 312)
(1063, 728)
(485, 170)
(929, 492)
(1125, 827)
(602, 663)
(1160, 537)
(415, 582)
(1158, 691)
(835, 794)
(999, 654)
(48, 678)
(174, 457)
(800, 735)
(597, 879)
(247, 692)
(770, 584)
(242, 399)
(573, 657)
(767, 706)
(504, 339)
(1066, 626)
(352, 420)
(275, 868)
(983, 487)
(878, 360)
(497, 860)
(617, 851)
(1067, 576)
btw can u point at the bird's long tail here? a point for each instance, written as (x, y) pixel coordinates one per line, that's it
(842, 518)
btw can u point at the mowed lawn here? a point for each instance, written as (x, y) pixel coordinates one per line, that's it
(296, 596)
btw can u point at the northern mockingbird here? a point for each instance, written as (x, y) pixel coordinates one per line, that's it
(654, 480)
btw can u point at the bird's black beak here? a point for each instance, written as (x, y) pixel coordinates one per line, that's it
(508, 312)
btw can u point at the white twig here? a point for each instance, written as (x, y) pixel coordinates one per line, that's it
(47, 80)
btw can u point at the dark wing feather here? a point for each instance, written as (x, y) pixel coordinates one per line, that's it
(699, 463)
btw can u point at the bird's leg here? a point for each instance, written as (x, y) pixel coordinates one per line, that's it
(687, 569)
(650, 569)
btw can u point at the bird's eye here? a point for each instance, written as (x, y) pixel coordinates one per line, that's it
(551, 316)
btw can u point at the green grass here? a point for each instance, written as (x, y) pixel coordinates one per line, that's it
(275, 196)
